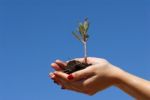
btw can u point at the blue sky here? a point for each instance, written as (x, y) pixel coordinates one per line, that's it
(34, 33)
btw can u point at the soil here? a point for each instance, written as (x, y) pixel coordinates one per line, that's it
(74, 65)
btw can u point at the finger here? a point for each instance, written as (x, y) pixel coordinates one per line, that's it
(82, 74)
(56, 66)
(61, 75)
(51, 75)
(61, 64)
(76, 86)
(69, 85)
(73, 86)
(55, 80)
(64, 79)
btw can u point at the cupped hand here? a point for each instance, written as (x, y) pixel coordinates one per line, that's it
(97, 77)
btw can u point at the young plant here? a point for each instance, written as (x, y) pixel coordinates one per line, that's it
(82, 36)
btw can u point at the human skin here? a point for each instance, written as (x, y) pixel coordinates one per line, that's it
(99, 76)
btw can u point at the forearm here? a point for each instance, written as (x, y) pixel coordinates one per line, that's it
(134, 86)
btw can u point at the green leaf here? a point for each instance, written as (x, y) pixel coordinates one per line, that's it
(81, 30)
(77, 36)
(86, 25)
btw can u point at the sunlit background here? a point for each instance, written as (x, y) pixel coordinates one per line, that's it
(34, 33)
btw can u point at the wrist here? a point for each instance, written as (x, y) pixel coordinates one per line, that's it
(117, 75)
(125, 82)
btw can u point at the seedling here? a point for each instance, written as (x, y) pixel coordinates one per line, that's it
(82, 36)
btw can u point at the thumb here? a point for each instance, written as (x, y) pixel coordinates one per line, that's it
(81, 74)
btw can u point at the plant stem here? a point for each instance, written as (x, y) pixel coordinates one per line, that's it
(85, 51)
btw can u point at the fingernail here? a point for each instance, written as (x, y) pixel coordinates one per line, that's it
(51, 75)
(70, 77)
(53, 64)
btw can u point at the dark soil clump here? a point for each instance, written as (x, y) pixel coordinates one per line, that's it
(74, 65)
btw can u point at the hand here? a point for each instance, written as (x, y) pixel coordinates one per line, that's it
(100, 75)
